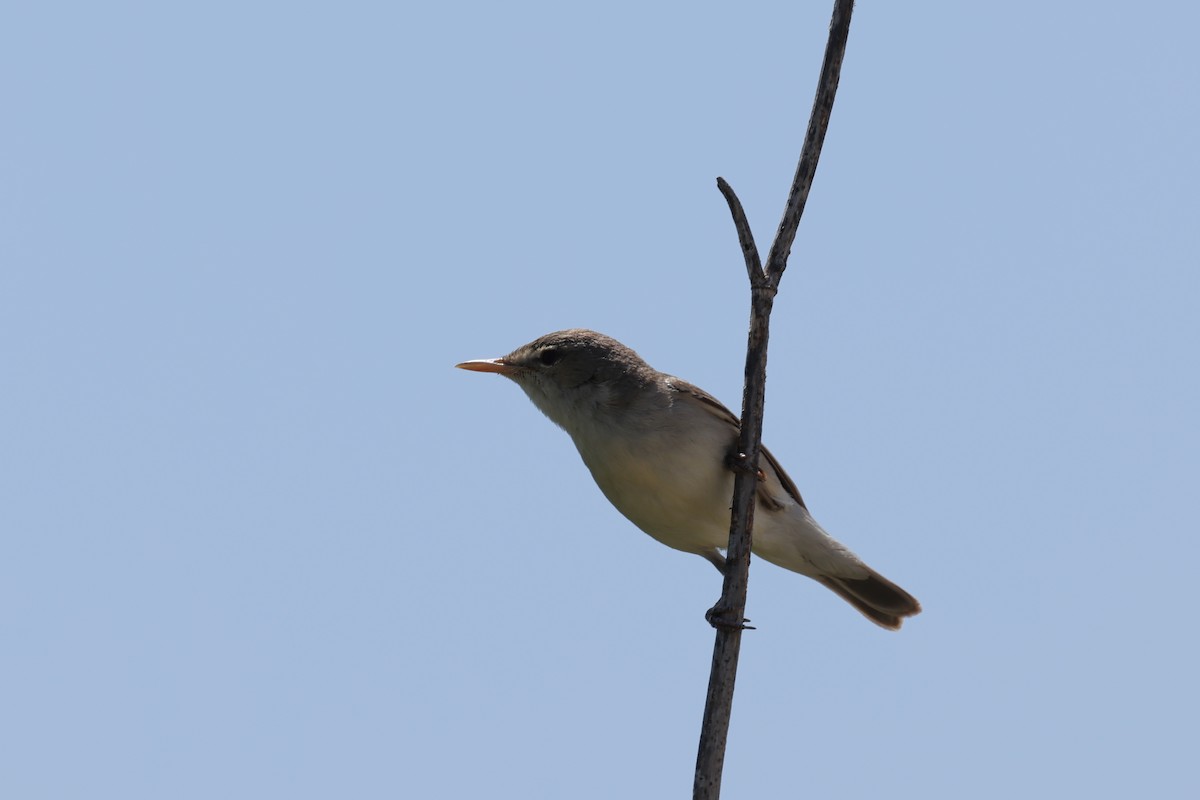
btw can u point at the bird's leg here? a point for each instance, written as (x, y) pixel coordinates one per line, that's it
(716, 559)
(720, 615)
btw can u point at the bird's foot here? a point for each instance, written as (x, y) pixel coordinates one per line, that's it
(722, 618)
(738, 462)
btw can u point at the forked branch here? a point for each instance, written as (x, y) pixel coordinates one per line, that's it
(728, 615)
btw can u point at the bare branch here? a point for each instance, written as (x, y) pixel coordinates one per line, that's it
(728, 615)
(745, 235)
(814, 138)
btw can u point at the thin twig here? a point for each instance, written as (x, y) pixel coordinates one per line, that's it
(728, 615)
(814, 138)
(745, 235)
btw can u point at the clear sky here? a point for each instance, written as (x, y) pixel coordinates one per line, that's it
(258, 538)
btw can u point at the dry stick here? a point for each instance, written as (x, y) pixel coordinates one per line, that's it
(814, 138)
(727, 616)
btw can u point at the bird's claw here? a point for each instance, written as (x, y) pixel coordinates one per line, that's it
(721, 619)
(737, 462)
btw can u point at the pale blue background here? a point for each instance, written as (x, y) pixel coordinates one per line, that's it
(259, 539)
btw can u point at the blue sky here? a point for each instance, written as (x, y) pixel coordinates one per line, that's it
(260, 539)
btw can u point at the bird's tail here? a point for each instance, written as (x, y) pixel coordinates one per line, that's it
(877, 598)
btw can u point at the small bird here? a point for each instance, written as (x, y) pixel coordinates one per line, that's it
(659, 448)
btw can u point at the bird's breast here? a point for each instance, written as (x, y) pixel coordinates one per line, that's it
(671, 482)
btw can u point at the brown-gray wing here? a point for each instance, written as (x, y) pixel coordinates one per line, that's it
(725, 414)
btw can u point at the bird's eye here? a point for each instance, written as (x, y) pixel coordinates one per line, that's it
(549, 357)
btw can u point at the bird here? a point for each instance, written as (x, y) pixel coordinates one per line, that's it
(659, 448)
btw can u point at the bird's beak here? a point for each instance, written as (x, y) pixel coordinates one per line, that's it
(497, 365)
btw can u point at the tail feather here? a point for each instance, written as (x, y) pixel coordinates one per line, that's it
(876, 598)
